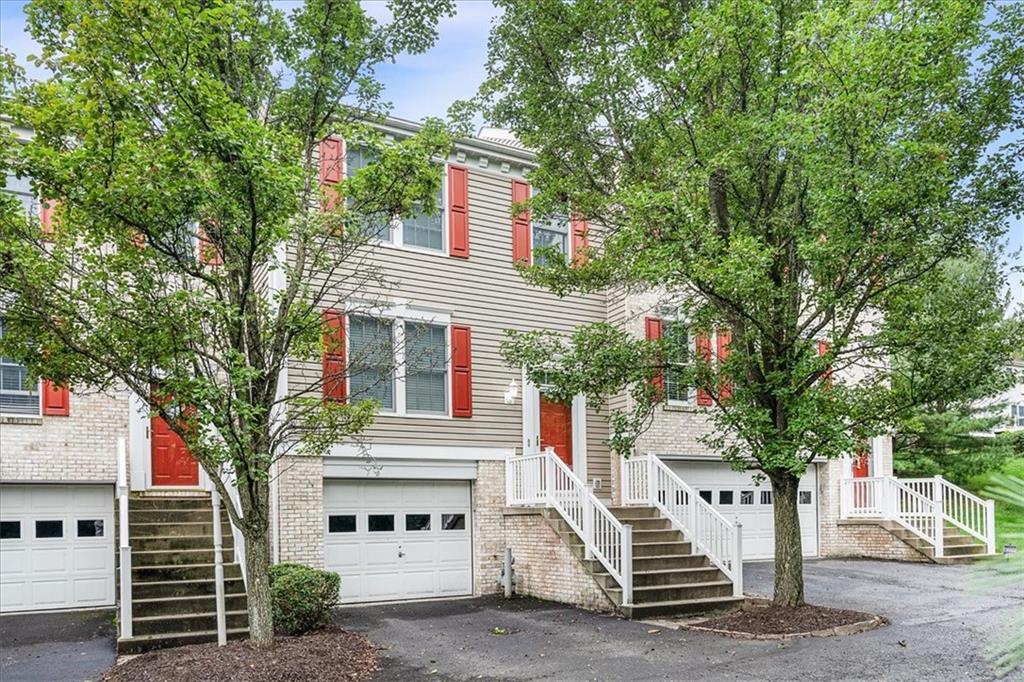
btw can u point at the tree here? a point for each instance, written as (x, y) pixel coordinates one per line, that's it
(789, 169)
(951, 434)
(181, 122)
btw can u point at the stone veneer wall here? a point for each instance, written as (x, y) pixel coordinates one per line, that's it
(81, 447)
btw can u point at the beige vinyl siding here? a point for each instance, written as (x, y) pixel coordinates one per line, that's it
(486, 293)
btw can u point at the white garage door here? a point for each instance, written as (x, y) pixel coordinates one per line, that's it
(56, 546)
(398, 539)
(735, 495)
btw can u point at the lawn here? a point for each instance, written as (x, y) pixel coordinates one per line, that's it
(1009, 518)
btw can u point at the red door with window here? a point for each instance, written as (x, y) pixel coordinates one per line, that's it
(172, 463)
(861, 465)
(556, 428)
(862, 492)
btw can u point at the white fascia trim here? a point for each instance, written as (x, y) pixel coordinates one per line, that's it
(401, 309)
(426, 452)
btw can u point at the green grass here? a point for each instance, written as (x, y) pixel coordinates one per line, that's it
(1009, 518)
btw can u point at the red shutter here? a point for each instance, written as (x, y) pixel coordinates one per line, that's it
(823, 348)
(722, 341)
(332, 157)
(462, 372)
(580, 240)
(703, 344)
(46, 217)
(56, 399)
(458, 211)
(334, 356)
(521, 224)
(208, 251)
(652, 330)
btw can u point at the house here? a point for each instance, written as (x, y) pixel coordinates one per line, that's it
(467, 457)
(1011, 401)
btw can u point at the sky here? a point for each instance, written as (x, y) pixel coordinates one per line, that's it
(425, 85)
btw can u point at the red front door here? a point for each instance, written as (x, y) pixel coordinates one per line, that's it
(556, 428)
(172, 463)
(861, 465)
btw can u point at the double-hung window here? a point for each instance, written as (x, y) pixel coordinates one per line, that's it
(18, 395)
(1017, 414)
(21, 188)
(426, 368)
(679, 346)
(371, 347)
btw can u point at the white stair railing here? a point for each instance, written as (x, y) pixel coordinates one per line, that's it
(125, 547)
(543, 478)
(649, 481)
(922, 505)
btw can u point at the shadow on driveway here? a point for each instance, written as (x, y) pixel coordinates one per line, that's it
(938, 629)
(69, 646)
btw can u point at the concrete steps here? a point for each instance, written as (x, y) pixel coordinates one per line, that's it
(667, 577)
(957, 546)
(173, 564)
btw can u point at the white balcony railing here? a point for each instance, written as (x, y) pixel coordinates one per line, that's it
(649, 481)
(544, 479)
(923, 506)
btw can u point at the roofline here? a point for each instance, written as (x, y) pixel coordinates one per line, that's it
(504, 151)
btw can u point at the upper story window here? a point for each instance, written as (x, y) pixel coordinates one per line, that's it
(21, 188)
(418, 349)
(424, 230)
(680, 346)
(18, 395)
(553, 232)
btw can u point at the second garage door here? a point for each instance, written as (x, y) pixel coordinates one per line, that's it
(398, 539)
(735, 495)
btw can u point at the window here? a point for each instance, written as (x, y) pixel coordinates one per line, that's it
(341, 523)
(381, 523)
(357, 158)
(426, 230)
(453, 521)
(90, 528)
(426, 375)
(766, 497)
(1017, 412)
(677, 341)
(18, 395)
(10, 530)
(746, 497)
(372, 360)
(49, 529)
(21, 188)
(705, 495)
(805, 497)
(417, 522)
(724, 497)
(552, 233)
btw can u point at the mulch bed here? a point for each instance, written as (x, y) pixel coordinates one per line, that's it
(785, 620)
(331, 654)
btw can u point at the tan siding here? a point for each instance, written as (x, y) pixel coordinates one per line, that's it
(488, 294)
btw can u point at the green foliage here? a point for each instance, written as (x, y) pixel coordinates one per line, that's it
(303, 597)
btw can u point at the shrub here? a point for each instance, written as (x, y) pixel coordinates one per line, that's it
(303, 597)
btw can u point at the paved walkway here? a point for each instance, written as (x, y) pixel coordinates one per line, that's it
(939, 627)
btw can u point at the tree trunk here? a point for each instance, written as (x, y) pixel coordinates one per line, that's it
(789, 556)
(257, 588)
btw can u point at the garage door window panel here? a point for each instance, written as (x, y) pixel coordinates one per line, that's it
(746, 497)
(705, 495)
(381, 523)
(426, 357)
(416, 523)
(341, 523)
(90, 528)
(10, 530)
(49, 529)
(805, 497)
(766, 497)
(453, 521)
(372, 363)
(725, 497)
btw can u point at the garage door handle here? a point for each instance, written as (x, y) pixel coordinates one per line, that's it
(400, 554)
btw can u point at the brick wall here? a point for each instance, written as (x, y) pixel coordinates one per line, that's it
(79, 447)
(300, 495)
(489, 540)
(545, 567)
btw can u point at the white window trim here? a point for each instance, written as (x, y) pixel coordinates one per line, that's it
(24, 415)
(398, 314)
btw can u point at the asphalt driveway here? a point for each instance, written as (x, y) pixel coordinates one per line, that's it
(44, 647)
(939, 627)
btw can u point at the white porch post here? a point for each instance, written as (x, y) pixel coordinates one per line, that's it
(125, 617)
(990, 525)
(627, 564)
(218, 569)
(737, 567)
(588, 526)
(939, 520)
(652, 485)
